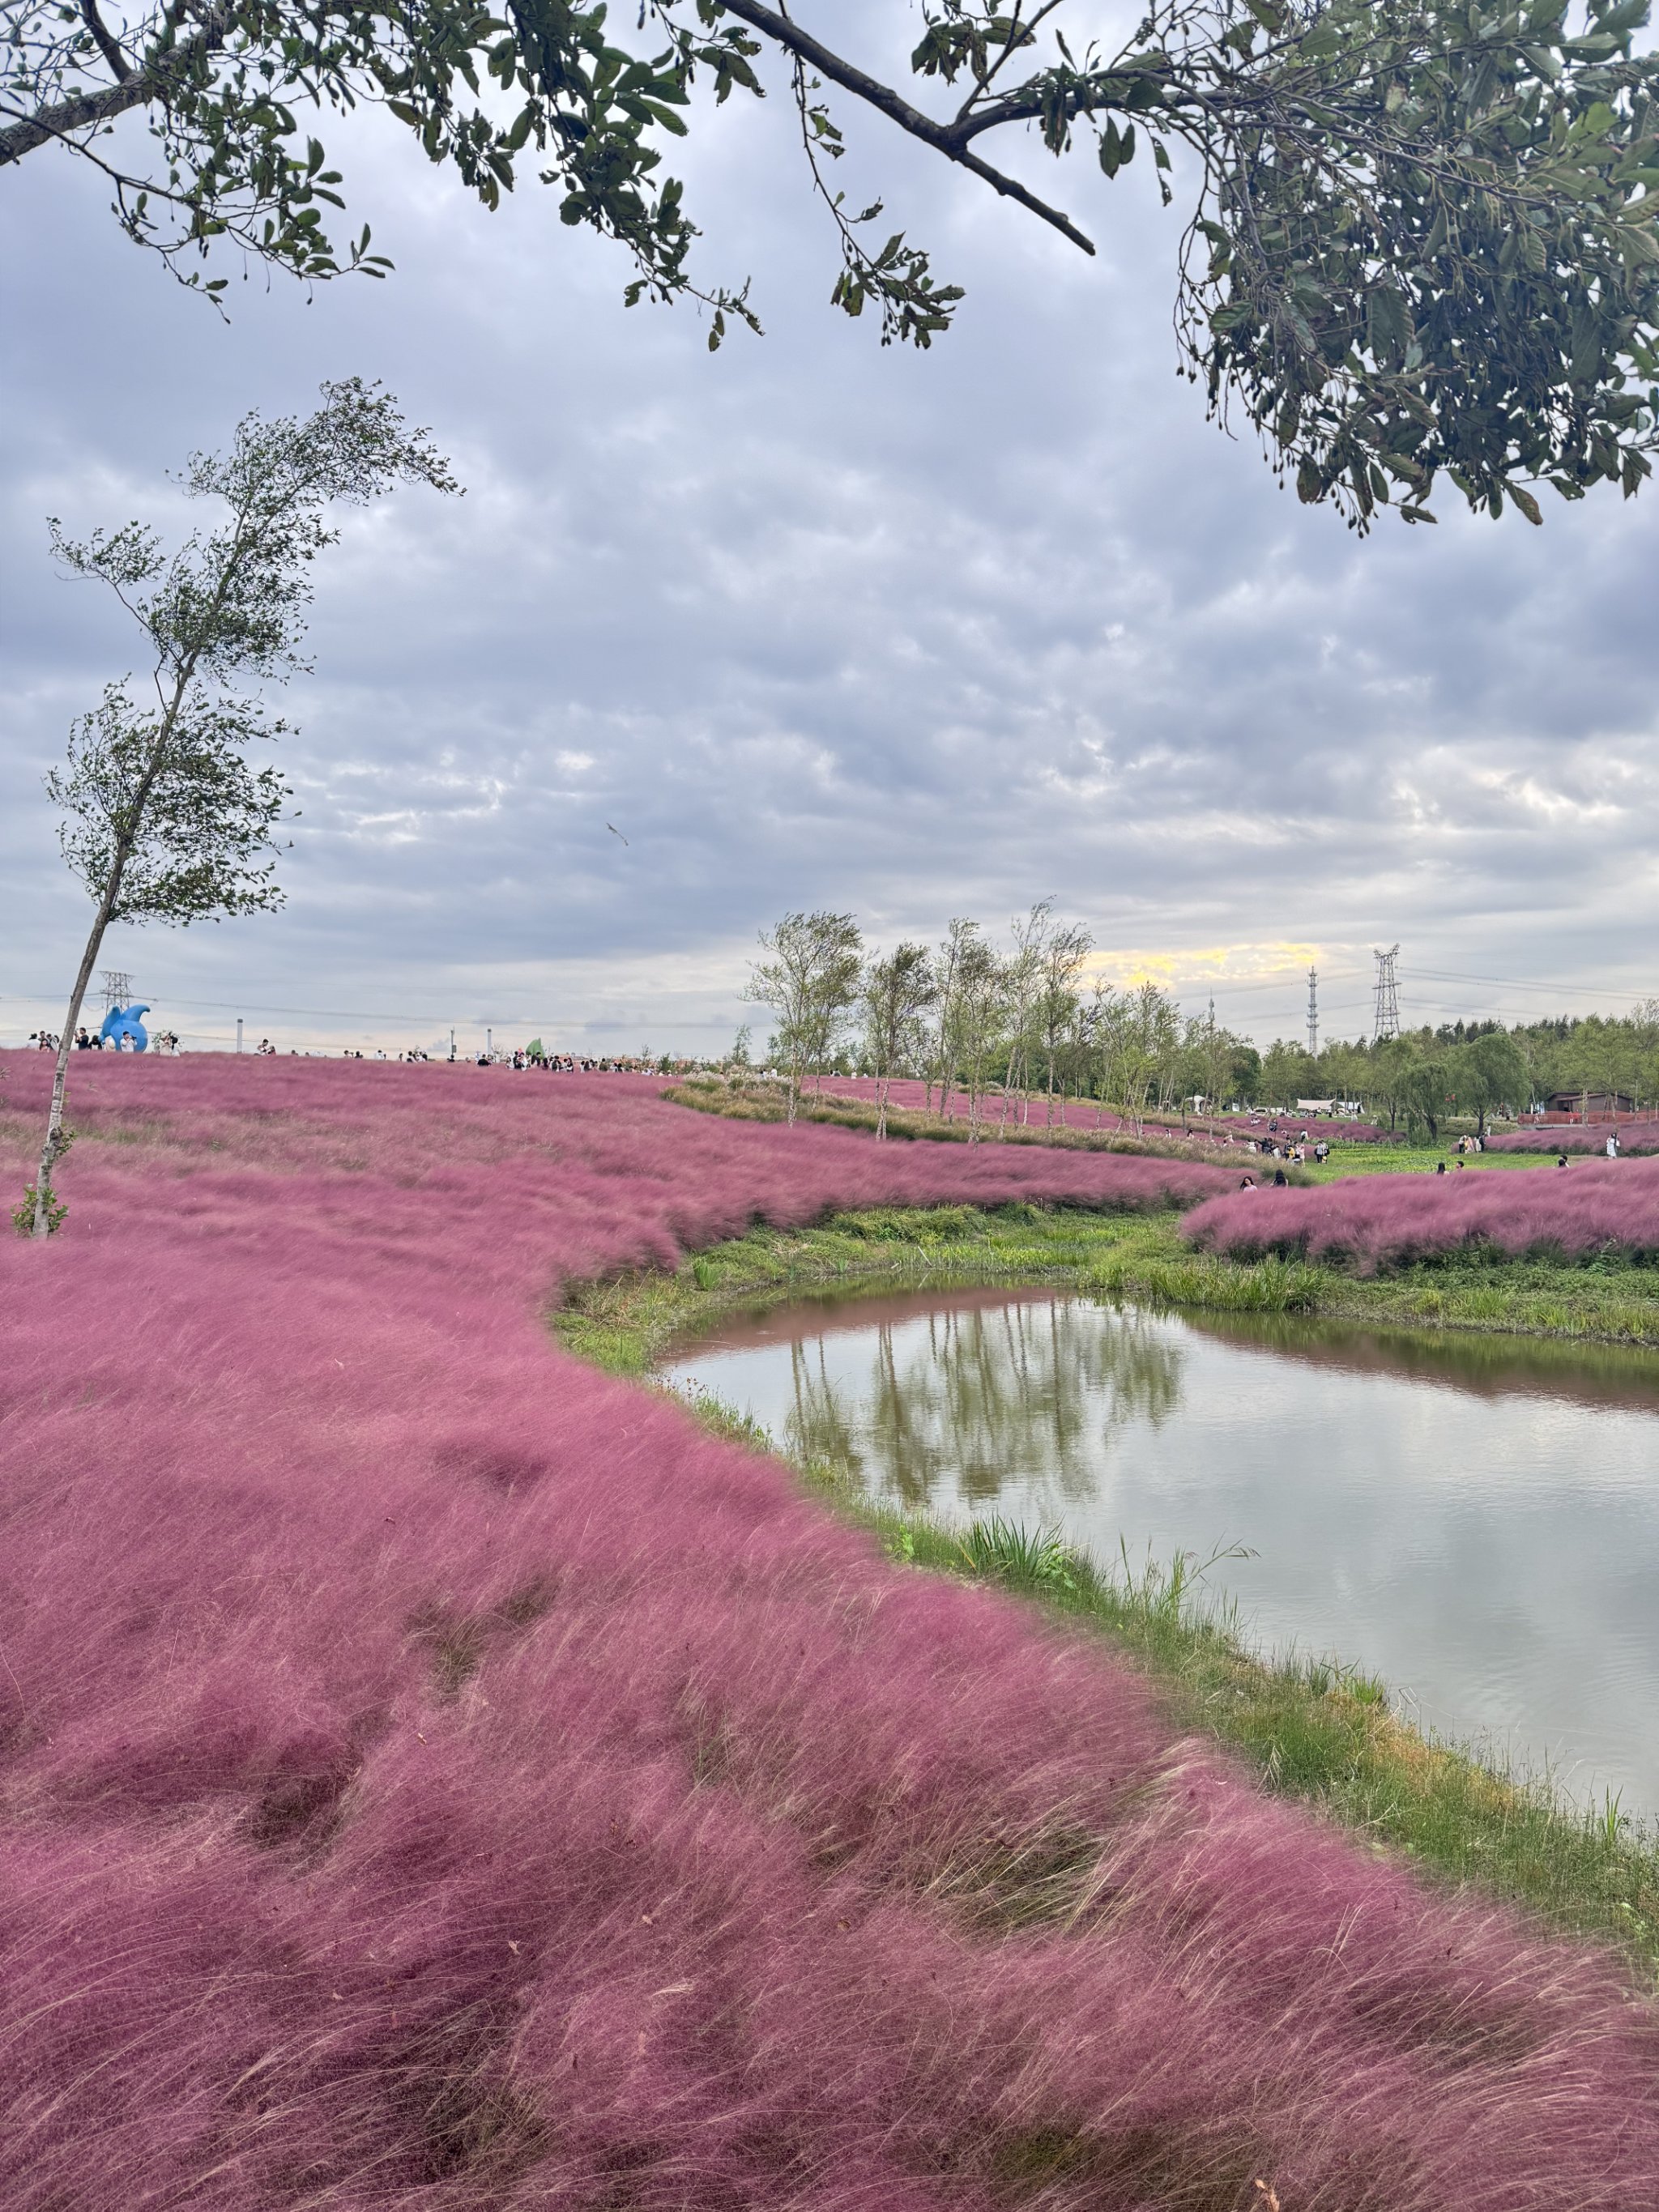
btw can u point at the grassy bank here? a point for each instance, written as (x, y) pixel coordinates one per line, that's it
(1607, 1301)
(1309, 1729)
(1128, 1255)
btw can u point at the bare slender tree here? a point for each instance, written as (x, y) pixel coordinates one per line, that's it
(897, 993)
(959, 936)
(1023, 971)
(1057, 1004)
(981, 1021)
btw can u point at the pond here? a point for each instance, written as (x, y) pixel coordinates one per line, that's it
(1476, 1519)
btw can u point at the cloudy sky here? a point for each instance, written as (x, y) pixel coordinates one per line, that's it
(816, 623)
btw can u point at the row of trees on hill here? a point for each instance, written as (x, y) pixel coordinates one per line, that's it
(1021, 1017)
(976, 1014)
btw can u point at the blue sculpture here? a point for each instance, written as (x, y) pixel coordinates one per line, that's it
(123, 1031)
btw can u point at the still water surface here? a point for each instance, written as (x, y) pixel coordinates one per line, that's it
(1475, 1520)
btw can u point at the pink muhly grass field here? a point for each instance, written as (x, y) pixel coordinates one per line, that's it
(1369, 1221)
(438, 1775)
(915, 1097)
(1634, 1137)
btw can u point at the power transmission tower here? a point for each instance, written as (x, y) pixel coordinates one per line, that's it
(1385, 1020)
(118, 989)
(1313, 1013)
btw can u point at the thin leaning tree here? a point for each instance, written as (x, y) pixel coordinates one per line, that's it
(166, 817)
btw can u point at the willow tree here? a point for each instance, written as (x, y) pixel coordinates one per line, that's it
(166, 818)
(1419, 237)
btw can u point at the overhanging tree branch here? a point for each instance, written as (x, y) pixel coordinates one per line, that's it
(164, 67)
(945, 139)
(1423, 241)
(108, 44)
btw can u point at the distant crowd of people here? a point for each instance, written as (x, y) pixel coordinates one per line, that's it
(1297, 1149)
(1464, 1149)
(86, 1040)
(558, 1063)
(561, 1063)
(523, 1057)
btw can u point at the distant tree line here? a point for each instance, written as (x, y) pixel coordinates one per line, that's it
(977, 1019)
(1000, 1029)
(1473, 1069)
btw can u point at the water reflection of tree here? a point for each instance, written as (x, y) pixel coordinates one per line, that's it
(991, 1394)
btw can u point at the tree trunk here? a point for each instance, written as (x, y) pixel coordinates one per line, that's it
(50, 1151)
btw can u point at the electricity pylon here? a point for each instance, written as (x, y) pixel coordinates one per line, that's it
(1385, 1020)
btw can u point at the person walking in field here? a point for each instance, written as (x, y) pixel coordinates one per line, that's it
(1613, 1144)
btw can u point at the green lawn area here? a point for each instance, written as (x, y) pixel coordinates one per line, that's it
(1419, 1160)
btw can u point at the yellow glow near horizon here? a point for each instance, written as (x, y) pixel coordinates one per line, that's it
(1205, 964)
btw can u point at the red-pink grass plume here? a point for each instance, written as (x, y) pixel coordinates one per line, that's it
(435, 1775)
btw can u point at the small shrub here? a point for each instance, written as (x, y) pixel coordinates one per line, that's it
(22, 1215)
(1007, 1552)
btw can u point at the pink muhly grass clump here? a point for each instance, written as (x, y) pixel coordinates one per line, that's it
(1388, 1221)
(435, 1773)
(1634, 1137)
